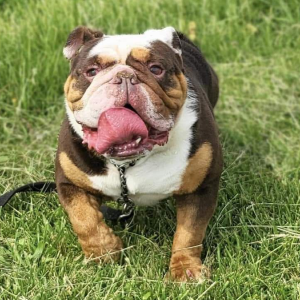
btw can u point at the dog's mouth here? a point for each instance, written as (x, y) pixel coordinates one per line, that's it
(121, 133)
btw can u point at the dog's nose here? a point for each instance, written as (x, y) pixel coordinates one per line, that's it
(123, 74)
(131, 76)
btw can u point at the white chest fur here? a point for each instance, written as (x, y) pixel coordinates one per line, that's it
(158, 175)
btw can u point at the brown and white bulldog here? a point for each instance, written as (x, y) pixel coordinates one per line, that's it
(148, 97)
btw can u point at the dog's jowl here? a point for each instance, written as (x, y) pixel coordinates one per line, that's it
(146, 98)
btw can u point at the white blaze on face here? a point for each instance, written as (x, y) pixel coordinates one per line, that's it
(119, 46)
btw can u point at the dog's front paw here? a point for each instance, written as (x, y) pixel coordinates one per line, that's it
(185, 268)
(104, 246)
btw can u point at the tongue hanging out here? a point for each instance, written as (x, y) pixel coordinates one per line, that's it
(118, 128)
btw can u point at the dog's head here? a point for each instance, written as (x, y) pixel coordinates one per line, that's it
(124, 92)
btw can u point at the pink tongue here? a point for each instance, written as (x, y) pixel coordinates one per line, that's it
(115, 126)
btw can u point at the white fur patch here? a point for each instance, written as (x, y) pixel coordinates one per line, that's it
(164, 35)
(121, 45)
(159, 174)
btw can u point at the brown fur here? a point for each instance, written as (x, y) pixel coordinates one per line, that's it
(197, 169)
(178, 93)
(141, 54)
(193, 214)
(185, 268)
(183, 85)
(96, 238)
(73, 173)
(197, 196)
(72, 94)
(78, 37)
(105, 60)
(172, 88)
(67, 84)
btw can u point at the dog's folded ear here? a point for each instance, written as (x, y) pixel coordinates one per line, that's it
(167, 35)
(176, 43)
(77, 38)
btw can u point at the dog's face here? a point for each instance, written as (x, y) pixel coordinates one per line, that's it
(124, 92)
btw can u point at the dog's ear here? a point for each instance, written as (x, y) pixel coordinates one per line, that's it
(175, 42)
(77, 38)
(167, 35)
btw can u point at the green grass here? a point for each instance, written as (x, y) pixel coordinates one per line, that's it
(253, 241)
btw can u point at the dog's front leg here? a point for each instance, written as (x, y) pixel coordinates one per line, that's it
(193, 214)
(97, 240)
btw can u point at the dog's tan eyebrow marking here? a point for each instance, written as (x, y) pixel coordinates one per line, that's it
(196, 170)
(105, 60)
(140, 53)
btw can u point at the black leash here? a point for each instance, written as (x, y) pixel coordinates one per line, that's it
(109, 213)
(41, 187)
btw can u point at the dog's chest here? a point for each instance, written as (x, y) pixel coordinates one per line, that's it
(149, 181)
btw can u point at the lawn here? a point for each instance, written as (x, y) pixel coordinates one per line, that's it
(253, 242)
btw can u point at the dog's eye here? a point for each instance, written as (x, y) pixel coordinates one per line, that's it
(156, 70)
(92, 72)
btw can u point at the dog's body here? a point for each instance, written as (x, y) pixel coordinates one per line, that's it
(178, 153)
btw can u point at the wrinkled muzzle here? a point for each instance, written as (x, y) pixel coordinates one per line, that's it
(121, 115)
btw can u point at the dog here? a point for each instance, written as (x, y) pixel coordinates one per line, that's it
(143, 98)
